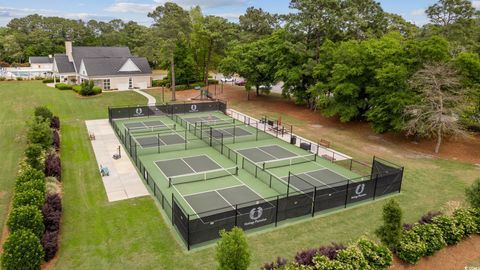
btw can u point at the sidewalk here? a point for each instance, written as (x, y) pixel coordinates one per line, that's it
(123, 182)
(151, 100)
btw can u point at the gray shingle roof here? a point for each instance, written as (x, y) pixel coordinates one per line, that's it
(80, 53)
(63, 65)
(40, 60)
(111, 66)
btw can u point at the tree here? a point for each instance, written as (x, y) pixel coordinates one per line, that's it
(172, 26)
(39, 132)
(447, 12)
(257, 23)
(232, 250)
(391, 230)
(473, 194)
(22, 251)
(252, 61)
(442, 97)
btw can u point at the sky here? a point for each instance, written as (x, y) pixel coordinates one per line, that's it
(136, 10)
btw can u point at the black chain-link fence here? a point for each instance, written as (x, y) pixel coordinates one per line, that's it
(385, 178)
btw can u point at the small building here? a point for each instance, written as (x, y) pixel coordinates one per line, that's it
(41, 62)
(111, 68)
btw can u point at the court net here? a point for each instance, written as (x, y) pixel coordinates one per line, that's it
(202, 176)
(146, 129)
(288, 161)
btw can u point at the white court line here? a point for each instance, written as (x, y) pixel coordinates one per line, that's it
(224, 200)
(187, 165)
(201, 192)
(183, 198)
(238, 179)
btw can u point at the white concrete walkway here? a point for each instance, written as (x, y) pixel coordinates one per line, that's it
(123, 182)
(151, 100)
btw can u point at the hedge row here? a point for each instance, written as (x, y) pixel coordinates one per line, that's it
(85, 89)
(362, 254)
(34, 220)
(434, 231)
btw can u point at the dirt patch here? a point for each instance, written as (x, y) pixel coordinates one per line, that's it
(449, 258)
(332, 129)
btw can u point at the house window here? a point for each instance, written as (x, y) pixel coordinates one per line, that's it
(106, 84)
(130, 83)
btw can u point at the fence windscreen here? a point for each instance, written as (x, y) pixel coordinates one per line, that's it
(157, 110)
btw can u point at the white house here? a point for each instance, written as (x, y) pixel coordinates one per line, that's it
(111, 68)
(41, 62)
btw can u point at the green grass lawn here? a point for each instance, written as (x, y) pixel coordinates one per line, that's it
(132, 234)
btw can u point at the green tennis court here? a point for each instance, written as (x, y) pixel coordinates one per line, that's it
(209, 171)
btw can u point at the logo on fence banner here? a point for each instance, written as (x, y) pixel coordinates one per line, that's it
(139, 112)
(255, 216)
(193, 108)
(359, 191)
(256, 213)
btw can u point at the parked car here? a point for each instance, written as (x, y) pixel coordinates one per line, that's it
(240, 82)
(265, 87)
(227, 79)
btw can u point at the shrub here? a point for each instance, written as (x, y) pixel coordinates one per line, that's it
(48, 80)
(51, 218)
(19, 79)
(353, 257)
(2, 79)
(331, 250)
(53, 166)
(77, 88)
(22, 250)
(378, 257)
(476, 215)
(212, 81)
(52, 186)
(96, 90)
(305, 257)
(39, 132)
(89, 89)
(411, 248)
(33, 156)
(63, 86)
(279, 263)
(55, 123)
(29, 197)
(157, 83)
(323, 263)
(466, 221)
(44, 112)
(391, 230)
(407, 226)
(451, 233)
(33, 184)
(29, 174)
(232, 250)
(54, 201)
(473, 194)
(427, 218)
(26, 217)
(50, 244)
(56, 140)
(432, 235)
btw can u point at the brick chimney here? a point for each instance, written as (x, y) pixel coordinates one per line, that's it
(68, 50)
